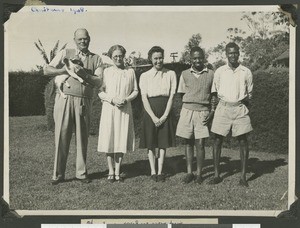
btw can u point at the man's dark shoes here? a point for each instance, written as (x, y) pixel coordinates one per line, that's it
(154, 177)
(199, 179)
(161, 178)
(215, 180)
(243, 183)
(188, 178)
(85, 180)
(57, 181)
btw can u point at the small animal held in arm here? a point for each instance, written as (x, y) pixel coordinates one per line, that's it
(71, 65)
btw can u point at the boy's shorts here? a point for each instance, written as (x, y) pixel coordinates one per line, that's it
(232, 116)
(191, 124)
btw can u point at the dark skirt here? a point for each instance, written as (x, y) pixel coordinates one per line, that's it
(157, 137)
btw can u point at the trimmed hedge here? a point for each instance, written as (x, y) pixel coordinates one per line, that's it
(268, 112)
(26, 93)
(49, 97)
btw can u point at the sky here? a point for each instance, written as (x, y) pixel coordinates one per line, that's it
(136, 28)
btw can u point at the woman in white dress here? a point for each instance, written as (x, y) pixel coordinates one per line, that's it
(116, 132)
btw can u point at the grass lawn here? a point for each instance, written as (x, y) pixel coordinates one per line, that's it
(31, 167)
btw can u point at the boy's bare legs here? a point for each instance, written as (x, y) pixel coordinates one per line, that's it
(217, 147)
(189, 155)
(244, 154)
(200, 156)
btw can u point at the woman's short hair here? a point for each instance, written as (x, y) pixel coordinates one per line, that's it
(116, 47)
(153, 50)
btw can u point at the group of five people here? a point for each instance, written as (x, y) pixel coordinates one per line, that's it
(221, 97)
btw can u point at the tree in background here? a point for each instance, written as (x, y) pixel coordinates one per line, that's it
(268, 39)
(218, 53)
(43, 53)
(135, 59)
(265, 24)
(49, 92)
(194, 41)
(259, 53)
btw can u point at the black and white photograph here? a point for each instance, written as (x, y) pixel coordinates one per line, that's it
(151, 110)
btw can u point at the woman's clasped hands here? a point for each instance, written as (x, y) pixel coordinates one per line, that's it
(159, 121)
(119, 102)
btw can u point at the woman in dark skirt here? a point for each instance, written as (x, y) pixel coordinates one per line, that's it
(158, 86)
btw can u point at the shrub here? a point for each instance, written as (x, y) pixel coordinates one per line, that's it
(269, 111)
(49, 97)
(25, 93)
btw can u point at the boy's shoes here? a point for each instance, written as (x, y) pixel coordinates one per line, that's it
(215, 180)
(188, 178)
(154, 177)
(243, 183)
(199, 179)
(161, 178)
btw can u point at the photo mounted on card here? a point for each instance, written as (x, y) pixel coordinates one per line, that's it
(149, 111)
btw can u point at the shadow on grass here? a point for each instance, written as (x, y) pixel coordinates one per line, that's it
(177, 164)
(259, 168)
(255, 166)
(98, 175)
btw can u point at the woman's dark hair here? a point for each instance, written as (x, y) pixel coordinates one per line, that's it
(116, 47)
(153, 50)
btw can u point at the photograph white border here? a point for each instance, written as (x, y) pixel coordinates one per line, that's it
(183, 213)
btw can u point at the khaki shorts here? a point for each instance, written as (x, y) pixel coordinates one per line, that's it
(231, 116)
(191, 124)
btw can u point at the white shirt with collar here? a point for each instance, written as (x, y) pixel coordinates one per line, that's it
(155, 83)
(198, 73)
(233, 85)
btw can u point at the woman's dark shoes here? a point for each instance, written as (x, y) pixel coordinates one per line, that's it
(161, 178)
(111, 178)
(119, 179)
(154, 177)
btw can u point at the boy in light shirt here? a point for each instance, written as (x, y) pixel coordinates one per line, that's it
(233, 85)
